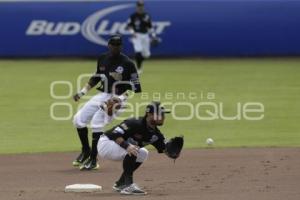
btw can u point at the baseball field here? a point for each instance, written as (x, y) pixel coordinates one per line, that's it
(249, 107)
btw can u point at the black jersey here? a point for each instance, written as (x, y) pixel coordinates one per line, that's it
(136, 132)
(116, 73)
(140, 22)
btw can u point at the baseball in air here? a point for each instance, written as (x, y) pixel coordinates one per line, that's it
(209, 141)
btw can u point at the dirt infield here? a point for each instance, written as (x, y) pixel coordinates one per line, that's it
(207, 174)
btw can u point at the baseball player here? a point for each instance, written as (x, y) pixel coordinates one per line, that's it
(117, 74)
(140, 26)
(126, 142)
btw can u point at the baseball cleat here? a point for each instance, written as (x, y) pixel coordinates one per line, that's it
(132, 189)
(118, 188)
(83, 156)
(90, 164)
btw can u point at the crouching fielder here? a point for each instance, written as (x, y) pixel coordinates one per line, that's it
(126, 142)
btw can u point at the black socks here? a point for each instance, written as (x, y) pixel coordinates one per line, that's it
(83, 136)
(129, 166)
(96, 136)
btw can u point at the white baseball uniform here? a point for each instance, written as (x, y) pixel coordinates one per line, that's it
(92, 112)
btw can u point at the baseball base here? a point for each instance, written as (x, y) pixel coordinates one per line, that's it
(83, 188)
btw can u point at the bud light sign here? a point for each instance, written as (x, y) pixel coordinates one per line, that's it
(67, 29)
(93, 28)
(186, 28)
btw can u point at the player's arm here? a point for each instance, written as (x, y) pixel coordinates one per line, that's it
(160, 144)
(130, 22)
(82, 92)
(149, 22)
(131, 149)
(130, 25)
(149, 25)
(94, 80)
(118, 133)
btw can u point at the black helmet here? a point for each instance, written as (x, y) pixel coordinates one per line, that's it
(140, 3)
(155, 107)
(115, 40)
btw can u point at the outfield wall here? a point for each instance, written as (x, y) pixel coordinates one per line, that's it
(188, 28)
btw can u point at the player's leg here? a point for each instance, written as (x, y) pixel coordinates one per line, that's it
(146, 53)
(98, 122)
(80, 121)
(138, 48)
(110, 150)
(139, 60)
(85, 148)
(130, 165)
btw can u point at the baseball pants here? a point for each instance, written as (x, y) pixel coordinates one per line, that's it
(110, 150)
(141, 44)
(91, 112)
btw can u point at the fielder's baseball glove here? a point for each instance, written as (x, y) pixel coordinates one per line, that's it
(174, 147)
(155, 41)
(112, 105)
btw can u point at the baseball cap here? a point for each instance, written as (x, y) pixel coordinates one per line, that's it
(140, 3)
(115, 40)
(155, 107)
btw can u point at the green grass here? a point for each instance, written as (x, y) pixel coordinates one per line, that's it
(26, 125)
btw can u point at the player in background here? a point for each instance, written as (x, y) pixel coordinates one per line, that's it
(140, 26)
(117, 74)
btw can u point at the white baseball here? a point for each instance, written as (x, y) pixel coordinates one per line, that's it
(209, 141)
